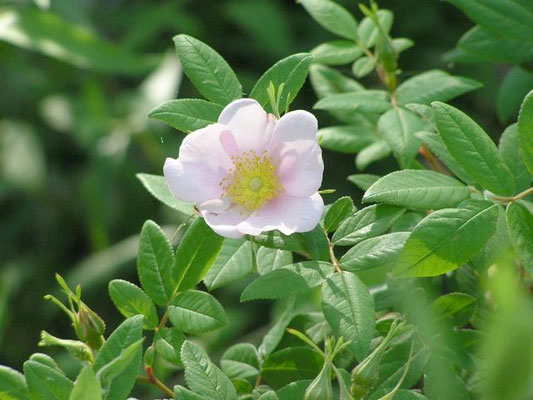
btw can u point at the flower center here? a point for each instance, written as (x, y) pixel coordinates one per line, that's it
(252, 182)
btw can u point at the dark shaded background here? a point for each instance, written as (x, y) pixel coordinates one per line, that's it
(72, 140)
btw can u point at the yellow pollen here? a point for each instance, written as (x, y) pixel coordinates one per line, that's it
(252, 182)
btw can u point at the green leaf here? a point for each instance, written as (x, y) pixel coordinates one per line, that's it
(157, 187)
(294, 390)
(277, 240)
(363, 181)
(270, 395)
(349, 309)
(362, 67)
(401, 394)
(525, 131)
(12, 384)
(126, 360)
(207, 70)
(366, 223)
(512, 155)
(417, 189)
(196, 253)
(204, 377)
(240, 361)
(473, 149)
(271, 259)
(131, 300)
(337, 52)
(328, 81)
(375, 152)
(197, 312)
(369, 32)
(232, 263)
(434, 85)
(458, 308)
(520, 223)
(49, 34)
(441, 381)
(154, 263)
(46, 360)
(291, 72)
(512, 91)
(127, 334)
(317, 243)
(332, 17)
(181, 393)
(346, 139)
(426, 112)
(402, 44)
(275, 334)
(291, 364)
(187, 115)
(438, 147)
(374, 252)
(288, 280)
(338, 212)
(363, 101)
(398, 127)
(446, 239)
(510, 19)
(45, 383)
(168, 342)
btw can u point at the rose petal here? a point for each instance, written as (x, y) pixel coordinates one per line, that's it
(287, 214)
(294, 126)
(225, 223)
(301, 168)
(250, 124)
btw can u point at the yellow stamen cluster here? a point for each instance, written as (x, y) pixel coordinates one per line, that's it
(252, 182)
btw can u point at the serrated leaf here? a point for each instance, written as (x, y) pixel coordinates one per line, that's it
(129, 332)
(458, 308)
(196, 253)
(317, 244)
(338, 212)
(204, 377)
(328, 81)
(87, 387)
(187, 115)
(168, 342)
(294, 390)
(45, 383)
(274, 335)
(446, 239)
(288, 280)
(432, 86)
(291, 364)
(197, 312)
(270, 395)
(508, 19)
(271, 259)
(417, 189)
(512, 91)
(362, 67)
(207, 70)
(13, 384)
(46, 360)
(373, 252)
(337, 52)
(181, 393)
(525, 131)
(401, 394)
(366, 223)
(398, 127)
(157, 187)
(232, 263)
(349, 310)
(438, 147)
(370, 154)
(369, 32)
(346, 139)
(126, 361)
(512, 155)
(277, 240)
(132, 300)
(240, 361)
(291, 72)
(473, 149)
(426, 112)
(362, 101)
(363, 181)
(154, 263)
(520, 223)
(332, 17)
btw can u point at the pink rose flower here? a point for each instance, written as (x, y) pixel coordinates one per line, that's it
(250, 173)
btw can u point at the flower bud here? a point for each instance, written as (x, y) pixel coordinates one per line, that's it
(79, 349)
(89, 327)
(321, 388)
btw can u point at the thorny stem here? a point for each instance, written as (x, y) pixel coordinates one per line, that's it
(152, 380)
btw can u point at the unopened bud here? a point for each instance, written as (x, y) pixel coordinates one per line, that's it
(89, 327)
(321, 388)
(78, 349)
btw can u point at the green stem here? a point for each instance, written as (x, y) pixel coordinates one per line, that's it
(152, 380)
(519, 196)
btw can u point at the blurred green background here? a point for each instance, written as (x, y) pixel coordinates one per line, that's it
(77, 79)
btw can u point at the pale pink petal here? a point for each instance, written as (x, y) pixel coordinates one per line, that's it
(287, 214)
(225, 223)
(301, 168)
(295, 126)
(202, 164)
(250, 124)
